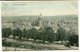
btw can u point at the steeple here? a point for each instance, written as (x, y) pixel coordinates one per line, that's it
(40, 14)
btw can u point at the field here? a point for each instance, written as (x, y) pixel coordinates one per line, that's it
(29, 45)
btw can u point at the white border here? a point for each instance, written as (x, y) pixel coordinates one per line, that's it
(0, 31)
(79, 22)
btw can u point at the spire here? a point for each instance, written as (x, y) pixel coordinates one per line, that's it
(40, 14)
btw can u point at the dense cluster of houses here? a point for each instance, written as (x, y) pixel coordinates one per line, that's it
(41, 22)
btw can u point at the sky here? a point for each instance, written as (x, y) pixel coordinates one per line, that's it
(46, 8)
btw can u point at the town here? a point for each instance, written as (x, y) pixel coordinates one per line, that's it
(40, 30)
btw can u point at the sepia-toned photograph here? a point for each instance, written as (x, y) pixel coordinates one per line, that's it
(39, 25)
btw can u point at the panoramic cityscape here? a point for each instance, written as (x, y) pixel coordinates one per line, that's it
(39, 26)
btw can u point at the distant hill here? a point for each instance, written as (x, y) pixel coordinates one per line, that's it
(67, 17)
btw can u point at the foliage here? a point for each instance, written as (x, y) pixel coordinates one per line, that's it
(6, 32)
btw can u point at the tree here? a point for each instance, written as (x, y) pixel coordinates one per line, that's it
(26, 33)
(48, 34)
(17, 32)
(6, 32)
(61, 33)
(14, 33)
(32, 33)
(74, 40)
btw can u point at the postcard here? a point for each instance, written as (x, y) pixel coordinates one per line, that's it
(39, 25)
